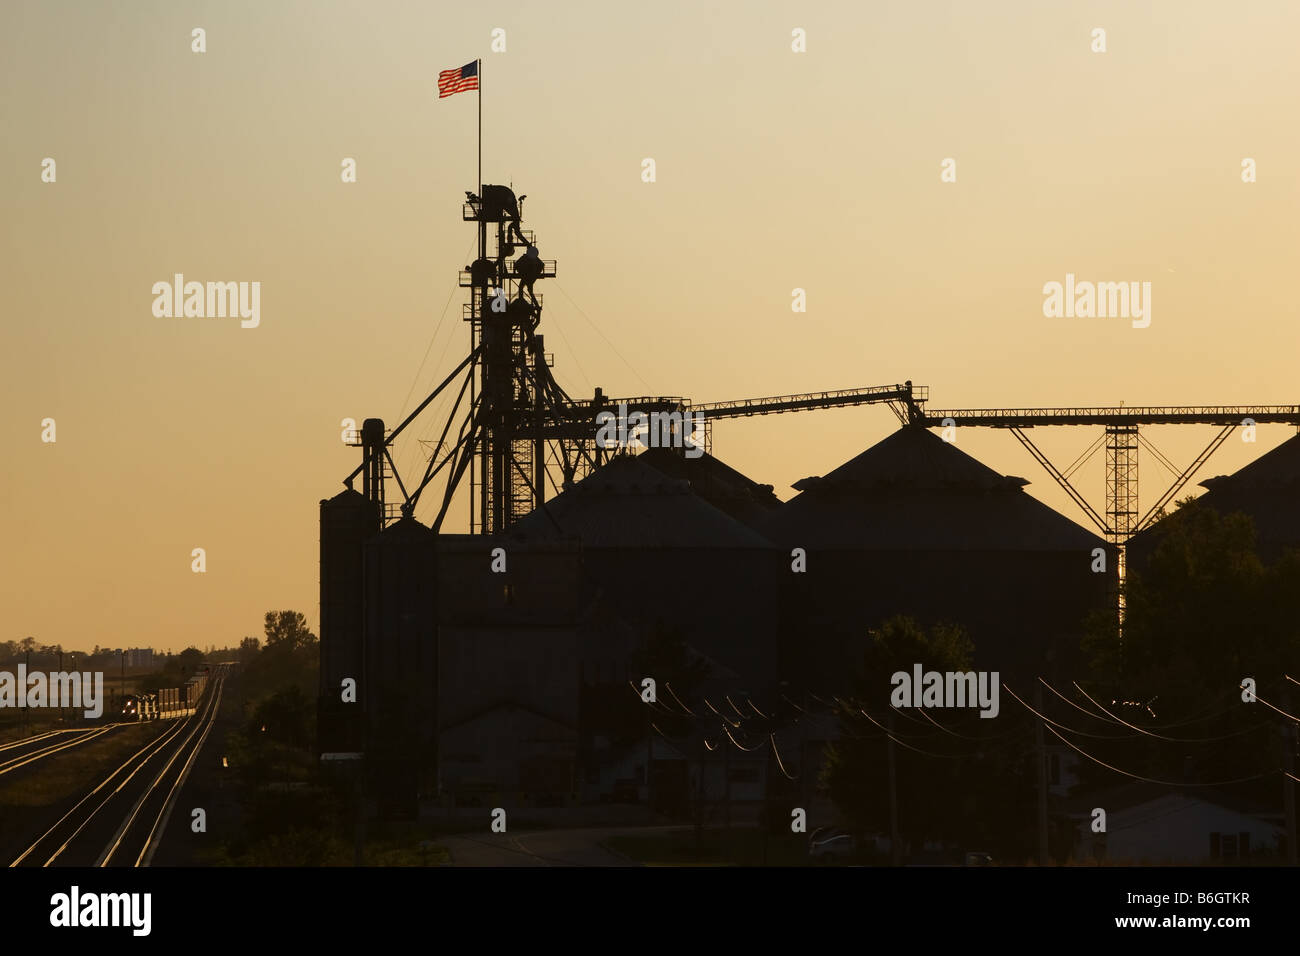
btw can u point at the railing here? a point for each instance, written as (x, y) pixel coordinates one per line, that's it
(810, 400)
(1118, 415)
(466, 278)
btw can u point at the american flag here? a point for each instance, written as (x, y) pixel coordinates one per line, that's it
(456, 81)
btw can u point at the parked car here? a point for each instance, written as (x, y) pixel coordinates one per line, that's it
(828, 844)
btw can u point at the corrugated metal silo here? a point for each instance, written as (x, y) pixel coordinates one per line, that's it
(399, 684)
(915, 526)
(672, 561)
(346, 521)
(1268, 490)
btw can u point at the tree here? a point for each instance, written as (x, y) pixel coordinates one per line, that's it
(952, 785)
(1204, 613)
(287, 717)
(189, 660)
(289, 629)
(291, 655)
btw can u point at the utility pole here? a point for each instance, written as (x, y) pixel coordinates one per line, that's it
(726, 782)
(804, 775)
(895, 842)
(1041, 752)
(1288, 782)
(699, 800)
(359, 848)
(649, 764)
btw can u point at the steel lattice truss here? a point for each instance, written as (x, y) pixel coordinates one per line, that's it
(521, 438)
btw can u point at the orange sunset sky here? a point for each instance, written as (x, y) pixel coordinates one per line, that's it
(775, 170)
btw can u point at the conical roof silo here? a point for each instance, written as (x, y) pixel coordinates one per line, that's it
(915, 526)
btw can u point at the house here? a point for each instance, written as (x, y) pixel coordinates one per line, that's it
(1150, 823)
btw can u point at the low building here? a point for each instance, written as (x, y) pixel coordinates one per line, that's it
(1154, 824)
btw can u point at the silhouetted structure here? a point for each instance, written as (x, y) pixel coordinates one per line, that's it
(1268, 490)
(517, 645)
(915, 526)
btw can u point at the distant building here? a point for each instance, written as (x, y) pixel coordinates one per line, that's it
(139, 658)
(1150, 823)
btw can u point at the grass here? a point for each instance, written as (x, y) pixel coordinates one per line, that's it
(718, 847)
(76, 770)
(385, 845)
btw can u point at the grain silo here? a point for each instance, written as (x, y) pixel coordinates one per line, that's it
(915, 526)
(672, 561)
(347, 521)
(717, 483)
(1267, 490)
(398, 686)
(511, 620)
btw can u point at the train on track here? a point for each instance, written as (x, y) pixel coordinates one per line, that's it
(167, 702)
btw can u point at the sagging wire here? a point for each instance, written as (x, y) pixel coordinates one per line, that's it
(1278, 709)
(1046, 719)
(678, 699)
(738, 744)
(719, 713)
(901, 743)
(779, 762)
(1148, 733)
(1178, 723)
(654, 703)
(1163, 783)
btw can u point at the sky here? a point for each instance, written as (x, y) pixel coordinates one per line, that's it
(775, 170)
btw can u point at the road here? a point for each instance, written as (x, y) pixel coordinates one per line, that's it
(578, 847)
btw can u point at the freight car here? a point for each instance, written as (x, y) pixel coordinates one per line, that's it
(167, 702)
(193, 690)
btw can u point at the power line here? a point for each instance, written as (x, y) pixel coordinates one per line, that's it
(1165, 783)
(901, 743)
(779, 762)
(678, 699)
(1278, 709)
(1178, 740)
(1046, 719)
(603, 336)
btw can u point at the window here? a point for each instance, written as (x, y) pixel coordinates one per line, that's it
(1228, 846)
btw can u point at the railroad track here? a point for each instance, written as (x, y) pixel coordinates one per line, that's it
(120, 821)
(20, 753)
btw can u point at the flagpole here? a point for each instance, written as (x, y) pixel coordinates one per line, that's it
(479, 70)
(482, 254)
